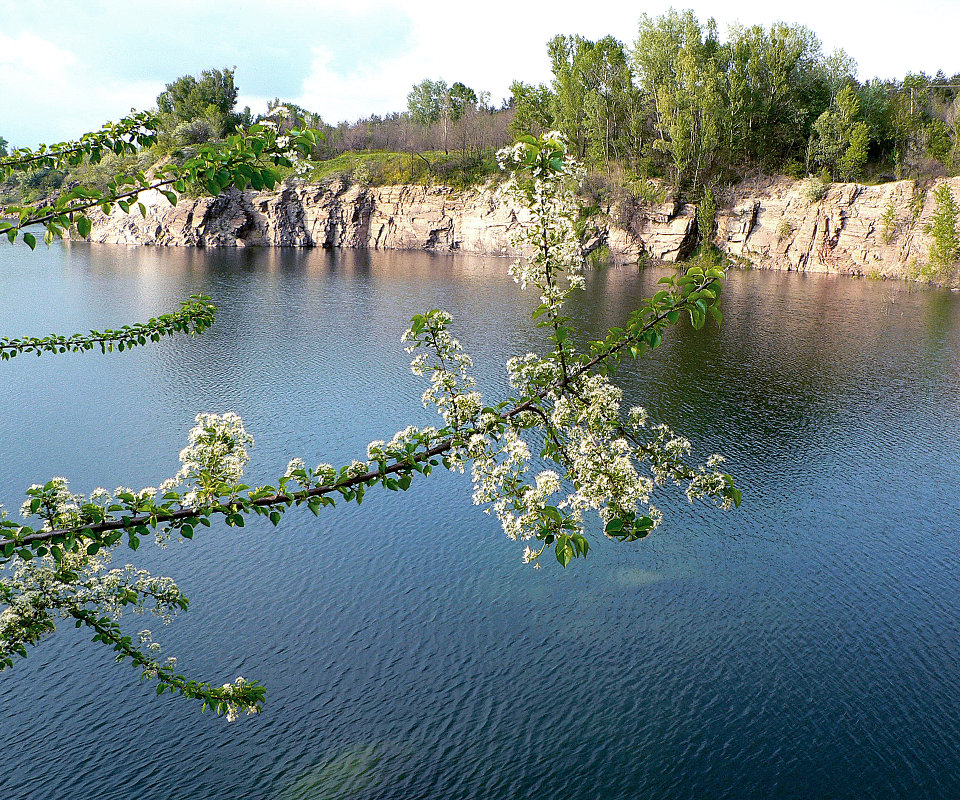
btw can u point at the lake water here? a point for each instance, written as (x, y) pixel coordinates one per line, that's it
(805, 646)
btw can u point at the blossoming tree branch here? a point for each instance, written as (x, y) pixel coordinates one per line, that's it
(602, 459)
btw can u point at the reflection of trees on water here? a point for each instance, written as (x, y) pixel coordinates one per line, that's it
(334, 320)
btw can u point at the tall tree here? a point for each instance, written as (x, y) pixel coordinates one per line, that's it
(842, 138)
(777, 84)
(426, 100)
(430, 102)
(211, 97)
(533, 108)
(680, 69)
(460, 100)
(945, 250)
(594, 96)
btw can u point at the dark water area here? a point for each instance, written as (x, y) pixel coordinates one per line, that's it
(805, 646)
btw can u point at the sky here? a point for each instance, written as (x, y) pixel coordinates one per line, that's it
(67, 67)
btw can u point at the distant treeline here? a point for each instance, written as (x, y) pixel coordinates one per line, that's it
(683, 103)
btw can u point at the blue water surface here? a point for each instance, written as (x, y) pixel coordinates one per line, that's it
(805, 646)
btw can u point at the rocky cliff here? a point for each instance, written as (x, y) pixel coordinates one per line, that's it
(862, 230)
(772, 224)
(387, 217)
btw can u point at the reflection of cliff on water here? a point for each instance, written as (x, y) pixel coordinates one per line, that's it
(793, 355)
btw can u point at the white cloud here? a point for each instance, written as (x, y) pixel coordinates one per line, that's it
(487, 47)
(369, 88)
(26, 58)
(44, 89)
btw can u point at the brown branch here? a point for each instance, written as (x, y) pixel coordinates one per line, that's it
(261, 502)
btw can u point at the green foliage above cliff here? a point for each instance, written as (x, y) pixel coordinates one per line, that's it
(210, 98)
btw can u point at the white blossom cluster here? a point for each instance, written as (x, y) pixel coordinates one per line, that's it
(58, 507)
(543, 180)
(321, 475)
(666, 453)
(402, 444)
(274, 121)
(452, 388)
(54, 502)
(232, 700)
(39, 591)
(600, 459)
(499, 469)
(306, 478)
(214, 457)
(530, 373)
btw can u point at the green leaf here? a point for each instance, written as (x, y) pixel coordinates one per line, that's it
(614, 526)
(553, 513)
(30, 240)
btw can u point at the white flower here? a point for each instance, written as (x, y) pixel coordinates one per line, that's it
(216, 453)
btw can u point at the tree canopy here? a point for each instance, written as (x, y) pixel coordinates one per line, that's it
(211, 97)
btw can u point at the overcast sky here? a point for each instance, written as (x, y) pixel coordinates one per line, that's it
(67, 67)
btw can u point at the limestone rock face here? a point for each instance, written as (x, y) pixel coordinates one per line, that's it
(386, 217)
(770, 225)
(668, 230)
(853, 229)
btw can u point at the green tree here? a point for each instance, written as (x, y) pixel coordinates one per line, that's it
(842, 139)
(945, 249)
(776, 86)
(939, 143)
(212, 97)
(532, 109)
(594, 97)
(427, 100)
(432, 102)
(459, 100)
(569, 89)
(680, 69)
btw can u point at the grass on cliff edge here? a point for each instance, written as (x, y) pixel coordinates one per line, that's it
(381, 168)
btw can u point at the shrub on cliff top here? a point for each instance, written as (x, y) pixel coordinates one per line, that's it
(814, 189)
